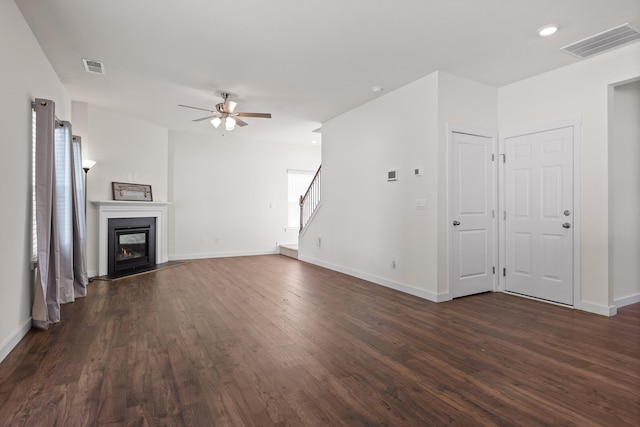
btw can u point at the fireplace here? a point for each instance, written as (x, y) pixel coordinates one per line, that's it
(131, 245)
(116, 209)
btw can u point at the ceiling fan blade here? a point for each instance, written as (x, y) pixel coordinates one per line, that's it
(240, 122)
(229, 106)
(196, 108)
(258, 115)
(205, 118)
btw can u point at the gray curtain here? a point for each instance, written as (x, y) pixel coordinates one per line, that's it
(80, 278)
(61, 239)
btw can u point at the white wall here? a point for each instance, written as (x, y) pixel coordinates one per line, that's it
(579, 90)
(126, 149)
(229, 195)
(624, 195)
(365, 223)
(26, 74)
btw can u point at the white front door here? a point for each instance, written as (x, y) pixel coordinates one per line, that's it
(472, 226)
(539, 212)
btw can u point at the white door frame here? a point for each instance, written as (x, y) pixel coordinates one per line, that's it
(451, 129)
(576, 123)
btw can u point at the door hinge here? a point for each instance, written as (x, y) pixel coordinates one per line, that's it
(493, 213)
(493, 157)
(504, 158)
(494, 271)
(504, 272)
(504, 216)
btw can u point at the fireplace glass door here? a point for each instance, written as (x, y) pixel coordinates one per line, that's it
(132, 247)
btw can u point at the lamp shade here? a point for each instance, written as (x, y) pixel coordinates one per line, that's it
(216, 122)
(88, 164)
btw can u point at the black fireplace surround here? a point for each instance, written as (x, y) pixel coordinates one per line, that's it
(131, 245)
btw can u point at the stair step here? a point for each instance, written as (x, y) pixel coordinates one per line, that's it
(289, 250)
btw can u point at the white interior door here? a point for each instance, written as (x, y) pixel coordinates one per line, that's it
(539, 212)
(472, 224)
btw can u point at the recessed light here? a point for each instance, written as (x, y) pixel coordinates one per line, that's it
(547, 30)
(377, 89)
(314, 142)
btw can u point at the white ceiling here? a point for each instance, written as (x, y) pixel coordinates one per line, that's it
(304, 61)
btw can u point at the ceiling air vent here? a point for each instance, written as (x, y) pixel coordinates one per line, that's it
(91, 66)
(615, 37)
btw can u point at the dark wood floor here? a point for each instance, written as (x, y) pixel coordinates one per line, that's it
(272, 341)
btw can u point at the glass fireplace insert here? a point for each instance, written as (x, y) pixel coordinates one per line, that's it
(132, 245)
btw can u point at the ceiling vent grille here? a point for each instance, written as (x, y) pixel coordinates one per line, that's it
(91, 66)
(610, 39)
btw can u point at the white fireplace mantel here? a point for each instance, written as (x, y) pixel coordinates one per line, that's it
(123, 209)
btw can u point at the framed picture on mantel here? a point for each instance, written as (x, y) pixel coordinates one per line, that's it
(131, 192)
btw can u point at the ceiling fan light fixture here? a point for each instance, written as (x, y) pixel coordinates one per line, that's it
(216, 122)
(229, 123)
(223, 113)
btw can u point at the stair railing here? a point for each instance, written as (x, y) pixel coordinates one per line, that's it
(311, 199)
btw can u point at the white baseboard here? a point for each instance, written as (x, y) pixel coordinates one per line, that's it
(14, 339)
(182, 257)
(430, 296)
(602, 310)
(628, 300)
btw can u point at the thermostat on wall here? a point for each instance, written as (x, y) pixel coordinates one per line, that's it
(417, 172)
(392, 175)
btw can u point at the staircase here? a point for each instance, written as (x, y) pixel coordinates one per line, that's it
(310, 201)
(289, 250)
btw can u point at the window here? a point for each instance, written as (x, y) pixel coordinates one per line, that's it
(298, 182)
(63, 190)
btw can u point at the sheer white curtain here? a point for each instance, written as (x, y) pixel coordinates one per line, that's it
(61, 239)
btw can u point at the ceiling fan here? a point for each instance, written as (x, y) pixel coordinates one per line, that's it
(224, 113)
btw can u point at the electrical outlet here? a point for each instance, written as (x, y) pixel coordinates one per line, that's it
(318, 241)
(393, 263)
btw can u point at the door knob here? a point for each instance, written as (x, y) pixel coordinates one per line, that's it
(566, 225)
(456, 223)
